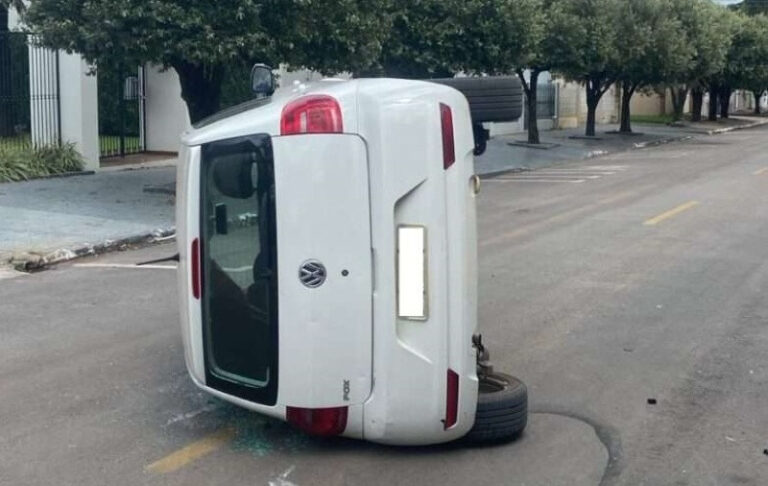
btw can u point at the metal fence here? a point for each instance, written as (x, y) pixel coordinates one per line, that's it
(30, 112)
(121, 111)
(546, 101)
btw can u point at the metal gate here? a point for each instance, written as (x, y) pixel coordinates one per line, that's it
(546, 103)
(30, 114)
(121, 111)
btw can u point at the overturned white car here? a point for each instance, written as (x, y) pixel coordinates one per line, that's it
(328, 261)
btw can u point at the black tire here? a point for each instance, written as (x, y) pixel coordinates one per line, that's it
(491, 99)
(502, 410)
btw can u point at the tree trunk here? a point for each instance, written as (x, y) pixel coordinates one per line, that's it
(591, 114)
(757, 96)
(725, 101)
(714, 90)
(697, 103)
(627, 90)
(594, 93)
(533, 119)
(679, 94)
(200, 88)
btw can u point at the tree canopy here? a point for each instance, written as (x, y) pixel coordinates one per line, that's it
(200, 38)
(682, 45)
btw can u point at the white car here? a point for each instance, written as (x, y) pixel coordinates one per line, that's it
(328, 267)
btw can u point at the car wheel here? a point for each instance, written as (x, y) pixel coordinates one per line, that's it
(502, 410)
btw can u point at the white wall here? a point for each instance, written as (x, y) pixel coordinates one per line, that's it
(79, 107)
(166, 113)
(14, 22)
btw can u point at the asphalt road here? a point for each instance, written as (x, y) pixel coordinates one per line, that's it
(603, 285)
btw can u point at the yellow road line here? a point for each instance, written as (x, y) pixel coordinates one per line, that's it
(192, 452)
(761, 171)
(672, 212)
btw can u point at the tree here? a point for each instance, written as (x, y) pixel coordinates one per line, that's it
(421, 43)
(594, 54)
(550, 39)
(509, 36)
(652, 50)
(746, 65)
(755, 78)
(754, 7)
(200, 39)
(707, 28)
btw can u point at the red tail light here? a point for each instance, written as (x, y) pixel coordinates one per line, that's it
(325, 422)
(311, 114)
(446, 122)
(452, 400)
(194, 259)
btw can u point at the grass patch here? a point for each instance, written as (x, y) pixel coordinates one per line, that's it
(110, 145)
(655, 119)
(20, 164)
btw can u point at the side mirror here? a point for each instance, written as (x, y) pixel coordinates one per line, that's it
(262, 81)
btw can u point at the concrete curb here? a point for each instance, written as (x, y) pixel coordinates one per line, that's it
(718, 131)
(31, 262)
(662, 141)
(60, 175)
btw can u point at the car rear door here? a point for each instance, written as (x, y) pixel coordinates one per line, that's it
(324, 270)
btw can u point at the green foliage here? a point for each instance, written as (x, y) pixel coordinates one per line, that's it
(593, 39)
(28, 163)
(424, 40)
(747, 60)
(653, 47)
(708, 29)
(653, 119)
(681, 44)
(754, 7)
(499, 36)
(200, 38)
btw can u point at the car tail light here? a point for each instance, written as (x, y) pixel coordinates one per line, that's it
(311, 114)
(194, 257)
(446, 122)
(451, 400)
(324, 422)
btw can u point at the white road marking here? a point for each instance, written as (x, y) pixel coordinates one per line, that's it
(604, 167)
(186, 416)
(125, 265)
(570, 181)
(576, 171)
(572, 175)
(9, 273)
(282, 480)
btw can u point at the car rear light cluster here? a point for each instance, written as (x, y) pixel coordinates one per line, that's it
(446, 124)
(451, 400)
(311, 114)
(324, 422)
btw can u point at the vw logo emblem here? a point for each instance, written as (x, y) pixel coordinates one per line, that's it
(312, 274)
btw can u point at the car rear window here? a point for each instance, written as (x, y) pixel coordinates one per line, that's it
(239, 257)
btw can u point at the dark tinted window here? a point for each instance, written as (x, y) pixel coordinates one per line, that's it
(239, 265)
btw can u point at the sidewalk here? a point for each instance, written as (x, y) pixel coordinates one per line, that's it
(49, 220)
(52, 220)
(501, 157)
